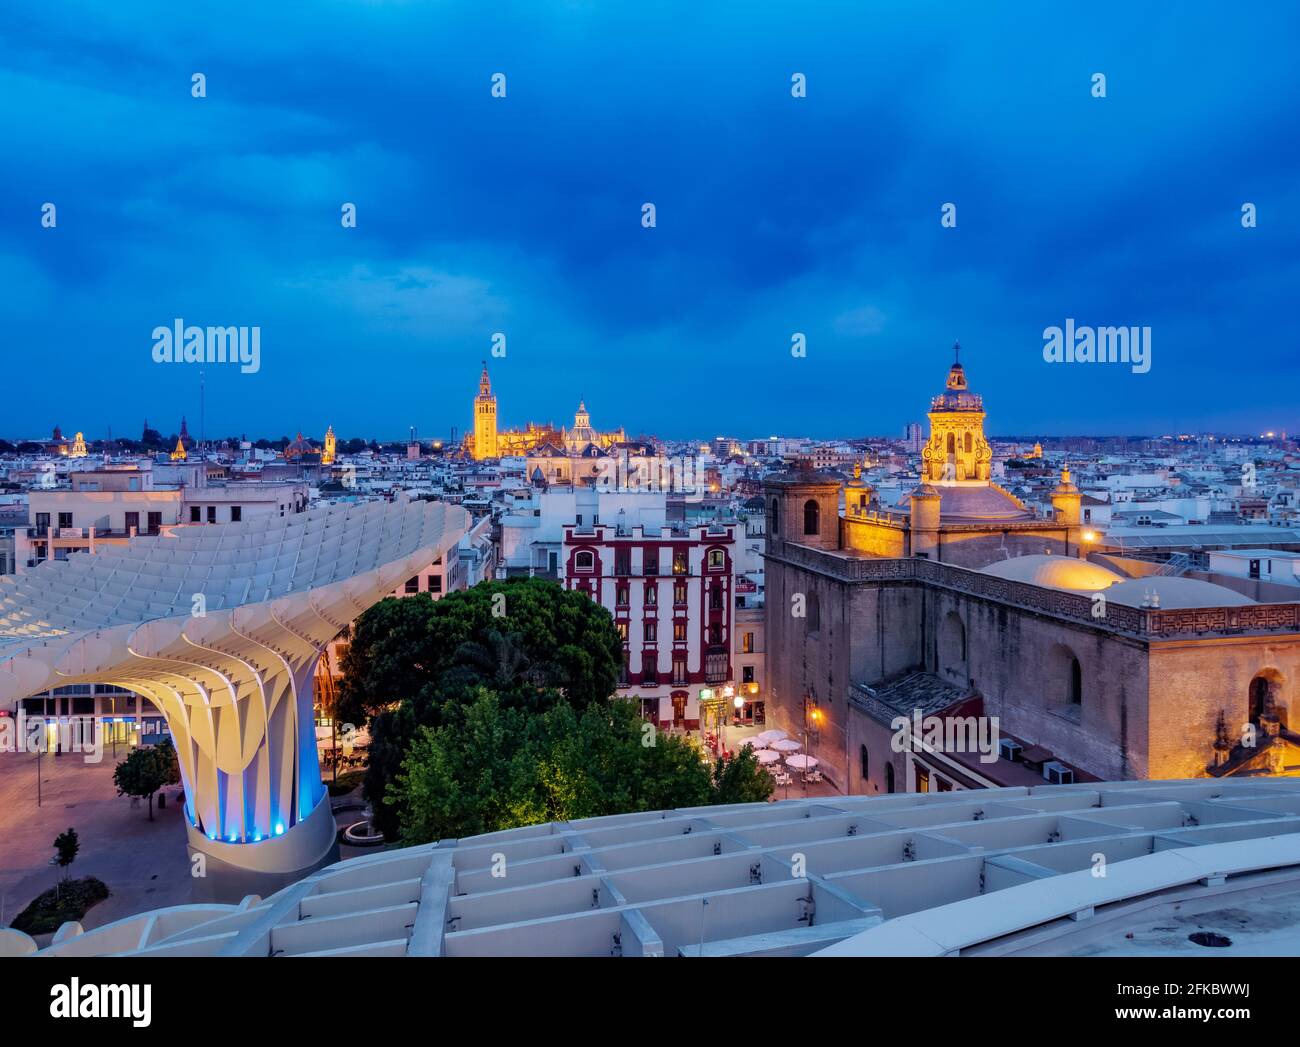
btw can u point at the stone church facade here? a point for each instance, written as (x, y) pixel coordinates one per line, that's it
(966, 605)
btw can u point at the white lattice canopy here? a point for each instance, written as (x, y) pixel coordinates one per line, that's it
(221, 626)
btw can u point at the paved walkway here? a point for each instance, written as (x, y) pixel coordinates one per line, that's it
(144, 864)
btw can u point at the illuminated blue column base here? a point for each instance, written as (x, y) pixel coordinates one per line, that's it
(227, 871)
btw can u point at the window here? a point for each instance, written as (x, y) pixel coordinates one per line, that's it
(715, 634)
(942, 784)
(811, 517)
(922, 779)
(155, 523)
(132, 520)
(623, 562)
(212, 514)
(715, 666)
(1076, 682)
(717, 559)
(747, 674)
(650, 674)
(434, 583)
(679, 669)
(866, 763)
(236, 513)
(622, 596)
(681, 564)
(679, 594)
(813, 613)
(651, 631)
(65, 519)
(585, 561)
(413, 584)
(196, 514)
(746, 643)
(622, 630)
(679, 632)
(650, 558)
(889, 777)
(651, 595)
(776, 515)
(1259, 699)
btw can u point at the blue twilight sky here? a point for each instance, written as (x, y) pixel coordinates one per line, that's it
(775, 215)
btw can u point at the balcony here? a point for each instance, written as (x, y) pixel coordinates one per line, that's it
(716, 665)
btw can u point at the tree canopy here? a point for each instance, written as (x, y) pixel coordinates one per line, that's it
(66, 846)
(489, 767)
(146, 770)
(413, 661)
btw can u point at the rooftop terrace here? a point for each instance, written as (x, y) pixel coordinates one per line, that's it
(859, 874)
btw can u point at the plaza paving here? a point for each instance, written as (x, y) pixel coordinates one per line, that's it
(144, 863)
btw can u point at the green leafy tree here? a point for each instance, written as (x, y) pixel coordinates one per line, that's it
(146, 770)
(741, 779)
(412, 660)
(66, 846)
(489, 767)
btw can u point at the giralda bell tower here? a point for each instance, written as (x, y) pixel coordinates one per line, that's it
(485, 418)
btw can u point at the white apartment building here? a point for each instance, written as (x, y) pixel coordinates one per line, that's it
(113, 503)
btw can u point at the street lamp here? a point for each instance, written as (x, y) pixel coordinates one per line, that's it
(813, 714)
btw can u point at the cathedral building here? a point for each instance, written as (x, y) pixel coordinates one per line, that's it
(488, 441)
(960, 605)
(957, 514)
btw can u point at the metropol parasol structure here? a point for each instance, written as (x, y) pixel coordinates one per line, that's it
(221, 627)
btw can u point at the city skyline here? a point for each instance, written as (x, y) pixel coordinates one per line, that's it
(522, 215)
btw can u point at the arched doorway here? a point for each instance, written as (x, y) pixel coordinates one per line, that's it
(1264, 695)
(952, 646)
(1064, 678)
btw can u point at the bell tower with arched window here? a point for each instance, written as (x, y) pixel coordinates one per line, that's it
(957, 450)
(485, 418)
(803, 508)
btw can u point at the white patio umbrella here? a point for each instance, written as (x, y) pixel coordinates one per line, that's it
(800, 762)
(774, 735)
(753, 743)
(766, 756)
(786, 745)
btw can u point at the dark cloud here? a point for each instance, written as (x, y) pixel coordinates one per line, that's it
(775, 215)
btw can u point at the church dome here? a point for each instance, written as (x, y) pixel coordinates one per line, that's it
(971, 503)
(1176, 593)
(1057, 572)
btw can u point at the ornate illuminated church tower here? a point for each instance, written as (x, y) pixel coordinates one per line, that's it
(485, 419)
(330, 451)
(956, 451)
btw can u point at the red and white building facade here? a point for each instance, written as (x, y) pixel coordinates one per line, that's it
(672, 594)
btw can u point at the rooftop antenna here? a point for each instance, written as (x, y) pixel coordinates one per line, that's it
(202, 408)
